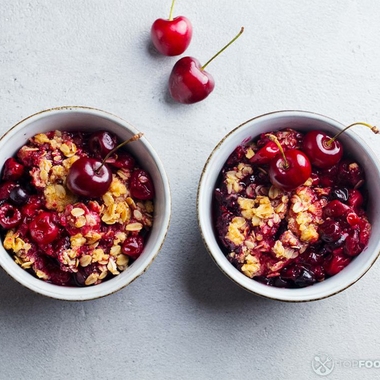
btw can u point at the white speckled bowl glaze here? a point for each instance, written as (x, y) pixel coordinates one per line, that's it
(302, 121)
(84, 118)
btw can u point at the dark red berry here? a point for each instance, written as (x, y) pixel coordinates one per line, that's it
(171, 36)
(18, 195)
(59, 277)
(341, 194)
(141, 185)
(102, 142)
(89, 178)
(300, 275)
(122, 160)
(330, 231)
(336, 209)
(353, 219)
(5, 189)
(133, 246)
(291, 173)
(350, 173)
(322, 151)
(364, 232)
(12, 170)
(305, 278)
(355, 199)
(10, 216)
(352, 246)
(336, 263)
(43, 228)
(33, 204)
(265, 154)
(50, 267)
(327, 177)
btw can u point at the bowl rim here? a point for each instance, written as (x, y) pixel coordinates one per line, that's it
(104, 289)
(229, 270)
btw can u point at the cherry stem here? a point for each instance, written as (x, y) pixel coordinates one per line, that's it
(275, 140)
(135, 137)
(224, 48)
(371, 127)
(171, 11)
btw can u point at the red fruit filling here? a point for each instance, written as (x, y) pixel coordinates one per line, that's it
(67, 238)
(289, 238)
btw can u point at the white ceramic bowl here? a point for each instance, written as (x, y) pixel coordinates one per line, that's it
(302, 121)
(79, 118)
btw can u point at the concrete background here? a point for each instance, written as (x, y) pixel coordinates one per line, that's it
(183, 319)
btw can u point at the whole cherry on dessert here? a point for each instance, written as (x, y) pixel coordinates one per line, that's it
(288, 169)
(323, 150)
(90, 177)
(171, 37)
(189, 82)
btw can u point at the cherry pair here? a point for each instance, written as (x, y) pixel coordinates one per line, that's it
(188, 82)
(291, 168)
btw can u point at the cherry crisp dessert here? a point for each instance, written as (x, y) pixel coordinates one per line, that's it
(289, 238)
(65, 238)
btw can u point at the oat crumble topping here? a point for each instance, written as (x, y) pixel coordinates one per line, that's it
(88, 249)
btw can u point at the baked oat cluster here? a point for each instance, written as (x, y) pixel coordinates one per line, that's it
(64, 238)
(289, 238)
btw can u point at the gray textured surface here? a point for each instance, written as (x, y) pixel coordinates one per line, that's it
(183, 319)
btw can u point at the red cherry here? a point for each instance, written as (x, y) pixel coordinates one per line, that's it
(189, 82)
(122, 160)
(133, 246)
(325, 151)
(265, 154)
(43, 228)
(336, 263)
(336, 209)
(141, 185)
(355, 199)
(322, 150)
(352, 246)
(5, 189)
(10, 216)
(289, 170)
(102, 142)
(12, 170)
(33, 204)
(171, 37)
(88, 177)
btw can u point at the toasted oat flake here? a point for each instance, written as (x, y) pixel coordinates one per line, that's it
(115, 250)
(91, 279)
(122, 260)
(85, 260)
(77, 211)
(112, 267)
(134, 227)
